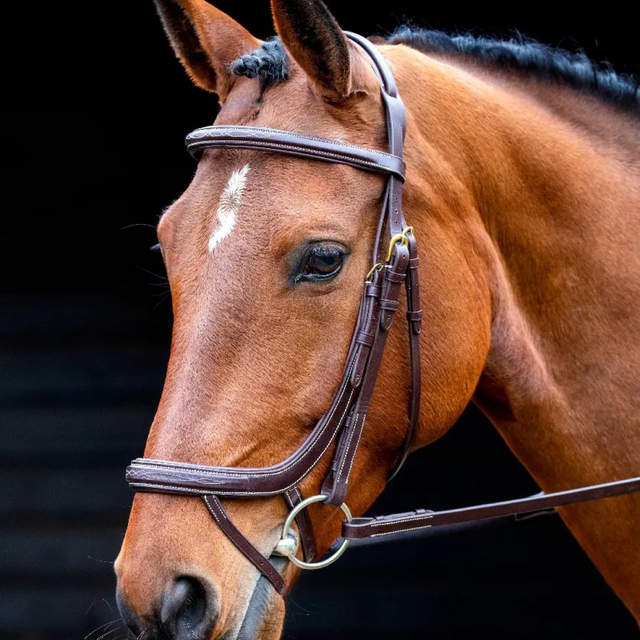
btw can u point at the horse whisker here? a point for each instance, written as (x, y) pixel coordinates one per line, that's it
(102, 626)
(167, 295)
(104, 635)
(138, 224)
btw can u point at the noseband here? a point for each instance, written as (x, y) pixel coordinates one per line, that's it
(394, 264)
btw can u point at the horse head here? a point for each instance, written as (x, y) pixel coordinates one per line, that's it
(266, 256)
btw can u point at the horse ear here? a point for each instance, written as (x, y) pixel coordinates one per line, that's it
(206, 41)
(316, 42)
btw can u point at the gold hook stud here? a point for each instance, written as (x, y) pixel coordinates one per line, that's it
(376, 266)
(399, 237)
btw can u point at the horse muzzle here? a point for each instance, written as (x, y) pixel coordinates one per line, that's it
(189, 607)
(187, 610)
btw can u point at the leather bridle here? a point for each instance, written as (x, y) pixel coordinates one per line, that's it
(394, 264)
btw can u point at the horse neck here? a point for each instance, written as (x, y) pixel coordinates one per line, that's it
(555, 223)
(561, 209)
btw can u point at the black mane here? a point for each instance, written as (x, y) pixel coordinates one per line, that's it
(531, 58)
(521, 55)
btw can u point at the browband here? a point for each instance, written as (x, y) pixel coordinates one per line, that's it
(294, 144)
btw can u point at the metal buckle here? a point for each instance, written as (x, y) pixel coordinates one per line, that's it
(399, 237)
(287, 545)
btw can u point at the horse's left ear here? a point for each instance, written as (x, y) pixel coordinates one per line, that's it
(206, 41)
(314, 39)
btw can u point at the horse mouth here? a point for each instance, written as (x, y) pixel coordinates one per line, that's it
(256, 618)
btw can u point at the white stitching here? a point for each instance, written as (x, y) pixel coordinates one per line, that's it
(140, 469)
(401, 521)
(311, 150)
(356, 451)
(177, 489)
(212, 511)
(316, 153)
(218, 131)
(328, 444)
(388, 533)
(172, 488)
(344, 457)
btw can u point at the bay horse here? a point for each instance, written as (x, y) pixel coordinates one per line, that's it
(522, 182)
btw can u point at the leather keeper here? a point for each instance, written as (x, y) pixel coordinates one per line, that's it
(387, 313)
(390, 305)
(372, 290)
(360, 360)
(365, 338)
(394, 276)
(415, 320)
(386, 319)
(386, 316)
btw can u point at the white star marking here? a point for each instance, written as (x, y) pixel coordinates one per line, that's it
(230, 202)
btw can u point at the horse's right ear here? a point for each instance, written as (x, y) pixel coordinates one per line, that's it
(206, 41)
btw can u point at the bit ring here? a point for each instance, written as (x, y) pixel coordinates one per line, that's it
(287, 527)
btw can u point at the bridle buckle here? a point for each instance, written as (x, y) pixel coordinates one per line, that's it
(399, 237)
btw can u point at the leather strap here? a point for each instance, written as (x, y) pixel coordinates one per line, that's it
(335, 485)
(244, 546)
(294, 144)
(305, 529)
(414, 320)
(442, 530)
(396, 127)
(362, 528)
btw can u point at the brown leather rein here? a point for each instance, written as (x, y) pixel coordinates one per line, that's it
(395, 265)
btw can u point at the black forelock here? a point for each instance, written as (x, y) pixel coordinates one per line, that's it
(269, 62)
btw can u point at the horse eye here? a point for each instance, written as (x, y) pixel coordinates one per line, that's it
(322, 263)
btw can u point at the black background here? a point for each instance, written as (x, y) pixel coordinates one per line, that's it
(94, 112)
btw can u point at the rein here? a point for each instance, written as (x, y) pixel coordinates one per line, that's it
(394, 264)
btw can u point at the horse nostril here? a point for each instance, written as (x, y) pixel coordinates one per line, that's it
(188, 612)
